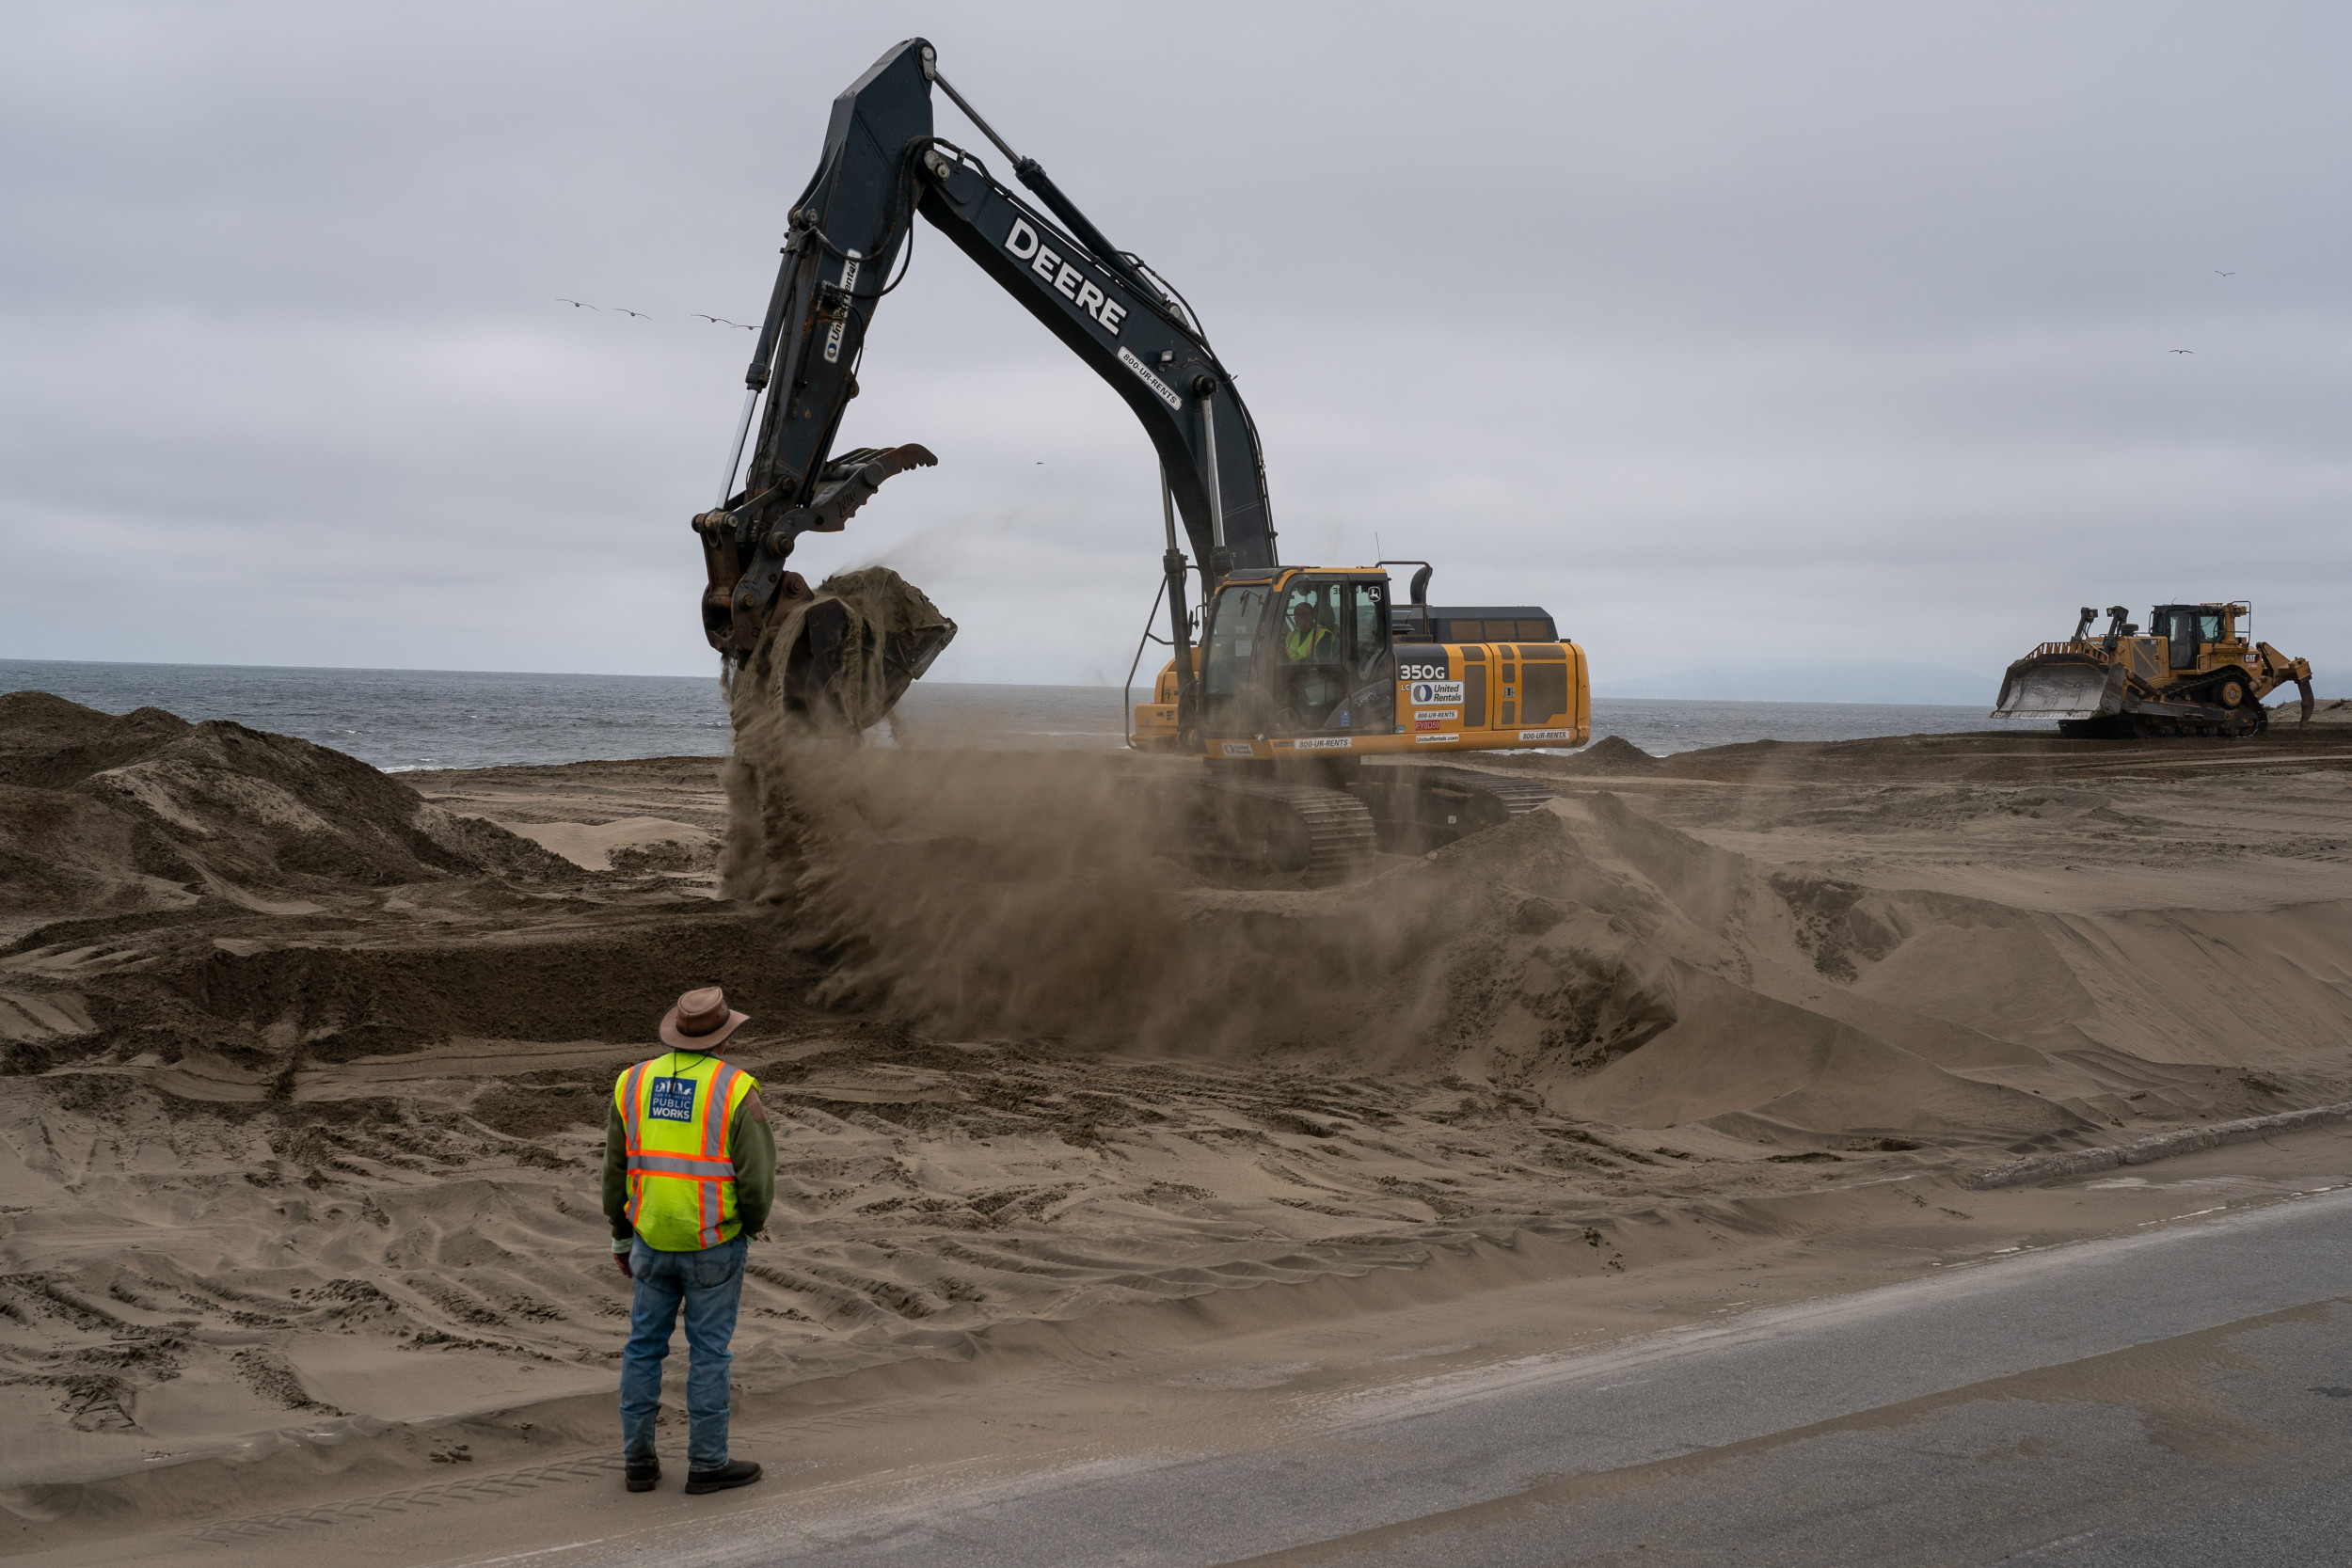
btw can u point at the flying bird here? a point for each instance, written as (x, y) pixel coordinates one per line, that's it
(724, 321)
(579, 305)
(2218, 272)
(2180, 350)
(626, 311)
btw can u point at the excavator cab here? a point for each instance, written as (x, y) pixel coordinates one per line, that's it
(1300, 655)
(1321, 661)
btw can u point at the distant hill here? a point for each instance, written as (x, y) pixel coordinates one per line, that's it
(1859, 682)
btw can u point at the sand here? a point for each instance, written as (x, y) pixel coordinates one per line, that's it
(307, 1069)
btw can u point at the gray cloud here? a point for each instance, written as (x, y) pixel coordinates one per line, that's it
(1780, 335)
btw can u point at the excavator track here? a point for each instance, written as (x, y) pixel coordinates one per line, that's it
(1306, 834)
(1419, 806)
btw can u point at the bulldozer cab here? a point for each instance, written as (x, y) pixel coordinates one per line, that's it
(1298, 653)
(2190, 630)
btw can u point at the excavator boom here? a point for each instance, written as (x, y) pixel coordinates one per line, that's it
(850, 230)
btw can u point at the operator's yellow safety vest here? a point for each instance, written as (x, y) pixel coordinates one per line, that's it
(1302, 646)
(676, 1111)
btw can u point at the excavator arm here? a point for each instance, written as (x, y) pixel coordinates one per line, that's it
(849, 232)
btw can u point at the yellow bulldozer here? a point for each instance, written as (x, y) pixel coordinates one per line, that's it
(2194, 672)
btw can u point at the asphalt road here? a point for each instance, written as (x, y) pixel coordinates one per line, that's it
(2183, 1396)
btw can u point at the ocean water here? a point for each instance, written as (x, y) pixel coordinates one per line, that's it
(406, 718)
(401, 718)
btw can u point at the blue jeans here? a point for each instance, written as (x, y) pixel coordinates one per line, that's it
(709, 1285)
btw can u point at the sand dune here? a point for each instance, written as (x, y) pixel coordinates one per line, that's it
(148, 813)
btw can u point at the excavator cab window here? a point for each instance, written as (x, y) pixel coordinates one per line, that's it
(1368, 631)
(1234, 634)
(1371, 662)
(1311, 623)
(1311, 661)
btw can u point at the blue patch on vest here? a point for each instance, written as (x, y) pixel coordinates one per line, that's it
(673, 1100)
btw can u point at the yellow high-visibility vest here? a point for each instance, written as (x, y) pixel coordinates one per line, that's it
(675, 1110)
(1304, 646)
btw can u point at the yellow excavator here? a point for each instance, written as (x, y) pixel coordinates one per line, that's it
(2193, 672)
(1312, 695)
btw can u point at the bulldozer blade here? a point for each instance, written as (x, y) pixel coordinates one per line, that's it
(2049, 688)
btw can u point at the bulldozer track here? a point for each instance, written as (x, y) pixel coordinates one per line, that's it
(2145, 726)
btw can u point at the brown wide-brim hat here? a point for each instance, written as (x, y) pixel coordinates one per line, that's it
(701, 1020)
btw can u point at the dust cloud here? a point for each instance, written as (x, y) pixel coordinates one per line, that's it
(1591, 956)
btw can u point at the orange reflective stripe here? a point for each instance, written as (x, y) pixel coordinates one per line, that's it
(631, 1111)
(702, 1110)
(715, 1132)
(630, 1084)
(682, 1164)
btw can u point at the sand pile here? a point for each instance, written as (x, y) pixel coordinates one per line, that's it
(1611, 756)
(1601, 962)
(146, 811)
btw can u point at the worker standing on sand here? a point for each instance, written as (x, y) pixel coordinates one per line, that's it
(690, 1174)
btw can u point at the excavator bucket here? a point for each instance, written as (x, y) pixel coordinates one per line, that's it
(2060, 686)
(841, 662)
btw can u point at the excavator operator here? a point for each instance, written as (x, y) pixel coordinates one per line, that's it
(1308, 641)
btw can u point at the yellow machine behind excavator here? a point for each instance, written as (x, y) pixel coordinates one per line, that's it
(2196, 672)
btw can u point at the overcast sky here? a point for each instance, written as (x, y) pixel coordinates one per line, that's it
(1774, 334)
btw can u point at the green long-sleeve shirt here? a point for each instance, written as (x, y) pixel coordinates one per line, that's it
(751, 1144)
